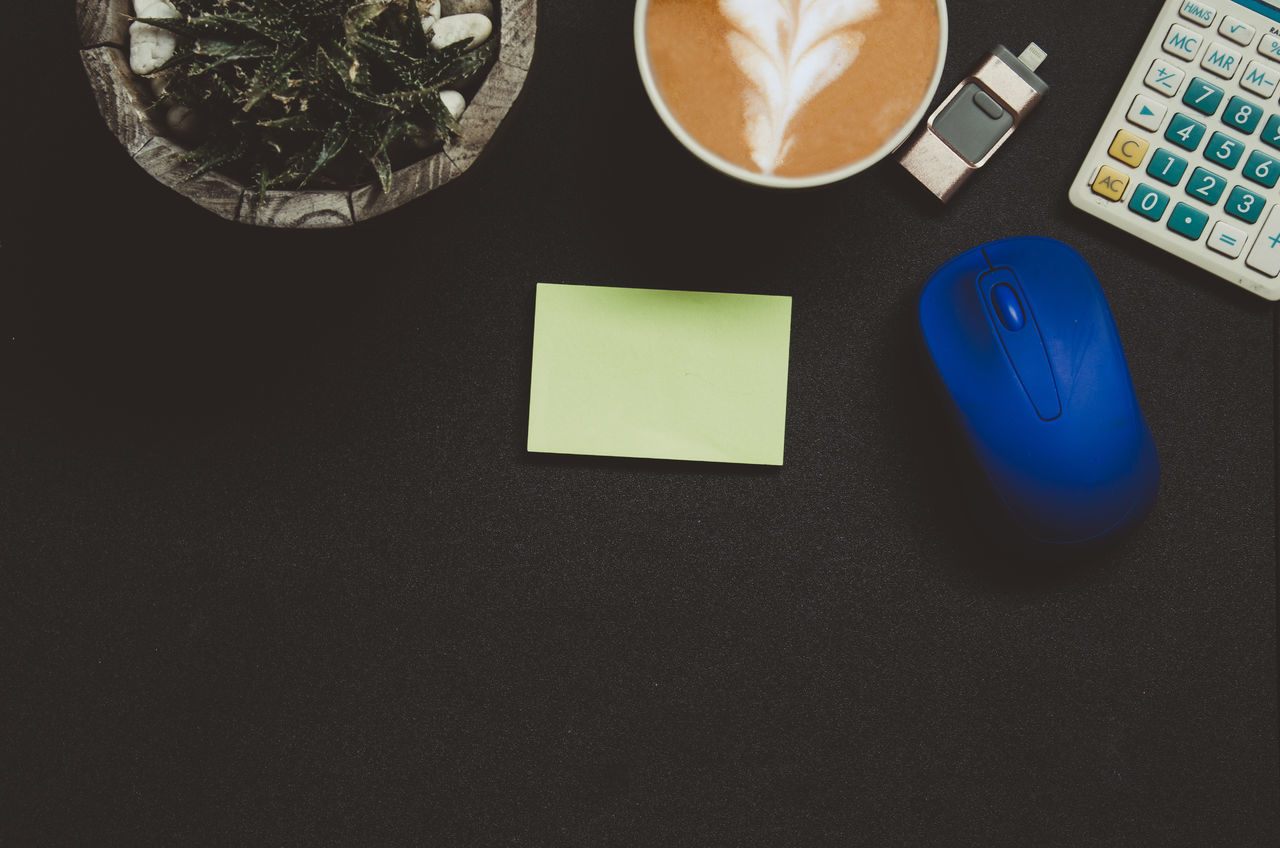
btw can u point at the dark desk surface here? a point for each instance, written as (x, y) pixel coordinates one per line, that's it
(276, 569)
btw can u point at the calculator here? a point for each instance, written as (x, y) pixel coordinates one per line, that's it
(1189, 155)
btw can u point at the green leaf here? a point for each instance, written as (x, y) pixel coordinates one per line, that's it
(361, 15)
(331, 70)
(415, 38)
(446, 125)
(212, 154)
(454, 66)
(251, 25)
(180, 57)
(302, 122)
(270, 77)
(334, 141)
(381, 163)
(373, 147)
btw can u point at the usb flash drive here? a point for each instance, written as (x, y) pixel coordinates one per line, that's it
(983, 111)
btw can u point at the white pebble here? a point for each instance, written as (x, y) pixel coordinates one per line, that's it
(150, 47)
(454, 28)
(154, 9)
(431, 16)
(453, 101)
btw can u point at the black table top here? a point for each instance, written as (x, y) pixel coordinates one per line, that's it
(275, 567)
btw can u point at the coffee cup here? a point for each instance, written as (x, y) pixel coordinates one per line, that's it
(791, 93)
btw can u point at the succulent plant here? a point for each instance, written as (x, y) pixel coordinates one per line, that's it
(304, 93)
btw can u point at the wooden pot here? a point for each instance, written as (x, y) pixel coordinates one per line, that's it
(123, 99)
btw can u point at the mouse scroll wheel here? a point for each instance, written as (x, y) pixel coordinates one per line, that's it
(1008, 307)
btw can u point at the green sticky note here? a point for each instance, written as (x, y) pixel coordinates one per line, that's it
(659, 374)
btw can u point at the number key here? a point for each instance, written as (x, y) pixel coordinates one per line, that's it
(1262, 169)
(1206, 186)
(1203, 96)
(1224, 150)
(1271, 132)
(1148, 202)
(1166, 167)
(1242, 115)
(1244, 204)
(1184, 132)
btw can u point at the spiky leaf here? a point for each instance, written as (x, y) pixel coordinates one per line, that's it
(306, 92)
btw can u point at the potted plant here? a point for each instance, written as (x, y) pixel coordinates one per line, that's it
(305, 113)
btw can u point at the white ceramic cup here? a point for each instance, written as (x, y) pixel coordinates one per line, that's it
(772, 180)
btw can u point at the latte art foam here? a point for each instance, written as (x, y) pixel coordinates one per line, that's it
(788, 51)
(793, 88)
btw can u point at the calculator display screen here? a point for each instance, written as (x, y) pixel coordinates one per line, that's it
(1271, 10)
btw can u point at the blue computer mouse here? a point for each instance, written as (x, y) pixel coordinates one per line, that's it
(1030, 362)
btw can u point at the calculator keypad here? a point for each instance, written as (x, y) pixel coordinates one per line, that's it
(1192, 147)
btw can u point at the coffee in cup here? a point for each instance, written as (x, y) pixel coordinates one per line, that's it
(791, 93)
